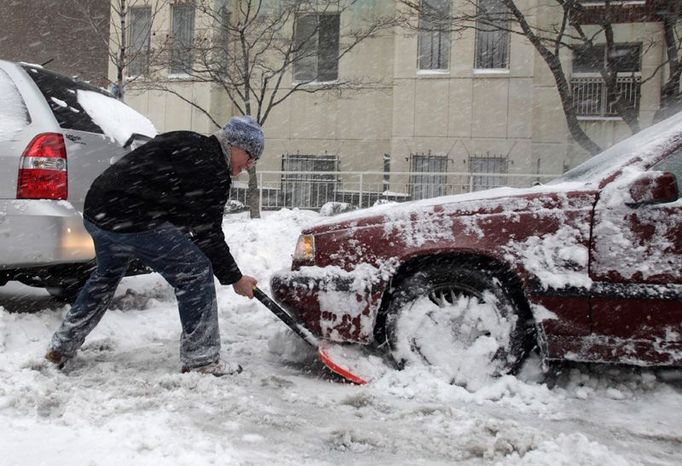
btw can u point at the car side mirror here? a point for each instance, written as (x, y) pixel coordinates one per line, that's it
(653, 188)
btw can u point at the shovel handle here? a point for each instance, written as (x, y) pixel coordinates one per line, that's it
(285, 317)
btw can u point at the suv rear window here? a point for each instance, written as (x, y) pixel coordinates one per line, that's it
(61, 93)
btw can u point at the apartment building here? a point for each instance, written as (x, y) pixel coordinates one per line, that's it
(442, 104)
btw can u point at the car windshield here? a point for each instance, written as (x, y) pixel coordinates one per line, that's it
(647, 142)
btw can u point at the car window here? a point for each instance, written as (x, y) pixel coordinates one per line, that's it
(61, 93)
(672, 164)
(13, 113)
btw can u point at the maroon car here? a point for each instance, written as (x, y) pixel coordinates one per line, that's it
(587, 268)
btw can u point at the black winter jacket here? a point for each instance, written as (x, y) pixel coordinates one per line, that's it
(180, 177)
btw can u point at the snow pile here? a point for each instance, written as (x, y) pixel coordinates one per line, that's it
(13, 113)
(460, 338)
(567, 450)
(117, 120)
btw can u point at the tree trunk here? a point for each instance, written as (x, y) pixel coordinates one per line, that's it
(121, 53)
(253, 194)
(563, 87)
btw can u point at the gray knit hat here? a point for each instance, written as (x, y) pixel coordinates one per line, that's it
(246, 133)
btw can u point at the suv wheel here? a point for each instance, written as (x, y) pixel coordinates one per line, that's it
(460, 318)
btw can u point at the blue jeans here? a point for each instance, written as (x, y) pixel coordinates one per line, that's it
(172, 254)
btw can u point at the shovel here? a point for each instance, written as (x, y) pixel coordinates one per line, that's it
(322, 346)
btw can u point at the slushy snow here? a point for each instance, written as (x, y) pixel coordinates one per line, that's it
(122, 400)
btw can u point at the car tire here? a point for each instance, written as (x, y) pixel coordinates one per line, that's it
(462, 318)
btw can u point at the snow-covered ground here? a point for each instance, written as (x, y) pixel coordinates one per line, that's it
(122, 401)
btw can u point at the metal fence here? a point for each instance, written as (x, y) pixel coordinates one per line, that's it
(364, 189)
(590, 96)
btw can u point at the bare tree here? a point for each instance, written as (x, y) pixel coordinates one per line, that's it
(566, 31)
(128, 43)
(260, 53)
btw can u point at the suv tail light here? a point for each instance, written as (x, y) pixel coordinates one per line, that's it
(42, 168)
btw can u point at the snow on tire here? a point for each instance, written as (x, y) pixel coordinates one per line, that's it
(461, 320)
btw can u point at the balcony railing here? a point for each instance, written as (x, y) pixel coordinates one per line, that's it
(591, 97)
(364, 189)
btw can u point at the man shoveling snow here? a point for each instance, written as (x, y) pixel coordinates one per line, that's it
(163, 203)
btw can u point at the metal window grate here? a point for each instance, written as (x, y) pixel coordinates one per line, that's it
(309, 190)
(430, 180)
(590, 95)
(487, 171)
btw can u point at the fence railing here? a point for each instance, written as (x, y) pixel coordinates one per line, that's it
(311, 190)
(591, 97)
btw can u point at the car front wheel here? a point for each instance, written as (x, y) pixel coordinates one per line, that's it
(461, 319)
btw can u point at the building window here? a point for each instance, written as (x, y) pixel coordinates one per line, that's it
(591, 98)
(487, 172)
(492, 35)
(183, 34)
(223, 39)
(139, 39)
(316, 43)
(434, 37)
(306, 190)
(428, 177)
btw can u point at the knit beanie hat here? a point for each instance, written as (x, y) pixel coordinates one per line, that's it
(246, 133)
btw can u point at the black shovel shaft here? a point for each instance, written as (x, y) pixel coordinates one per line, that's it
(285, 317)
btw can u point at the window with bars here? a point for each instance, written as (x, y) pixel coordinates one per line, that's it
(488, 171)
(182, 36)
(306, 190)
(434, 36)
(139, 34)
(492, 35)
(591, 97)
(428, 179)
(316, 41)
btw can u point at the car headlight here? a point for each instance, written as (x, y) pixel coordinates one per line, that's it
(305, 248)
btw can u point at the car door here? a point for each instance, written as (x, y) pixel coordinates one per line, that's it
(636, 267)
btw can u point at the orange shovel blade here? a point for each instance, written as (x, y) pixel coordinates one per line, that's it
(337, 366)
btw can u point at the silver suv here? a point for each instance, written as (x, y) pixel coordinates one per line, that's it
(57, 135)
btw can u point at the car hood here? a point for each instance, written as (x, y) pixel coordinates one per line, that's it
(480, 202)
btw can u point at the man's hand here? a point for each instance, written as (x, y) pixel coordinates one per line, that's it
(245, 286)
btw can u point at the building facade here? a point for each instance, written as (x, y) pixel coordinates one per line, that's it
(442, 103)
